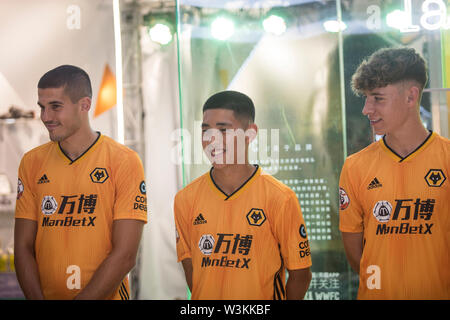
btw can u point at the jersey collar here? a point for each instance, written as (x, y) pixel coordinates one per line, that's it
(410, 156)
(88, 150)
(239, 190)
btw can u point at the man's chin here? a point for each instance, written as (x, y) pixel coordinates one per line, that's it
(55, 138)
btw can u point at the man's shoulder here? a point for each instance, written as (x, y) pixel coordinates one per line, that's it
(275, 187)
(193, 187)
(39, 151)
(115, 146)
(443, 141)
(119, 153)
(365, 155)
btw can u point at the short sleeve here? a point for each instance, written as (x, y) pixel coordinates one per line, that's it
(26, 206)
(130, 189)
(350, 210)
(182, 229)
(290, 230)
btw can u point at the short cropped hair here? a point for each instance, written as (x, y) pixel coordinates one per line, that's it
(238, 102)
(389, 66)
(76, 81)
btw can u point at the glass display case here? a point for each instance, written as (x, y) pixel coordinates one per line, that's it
(295, 60)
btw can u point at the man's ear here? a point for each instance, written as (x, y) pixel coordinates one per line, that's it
(413, 95)
(251, 132)
(85, 103)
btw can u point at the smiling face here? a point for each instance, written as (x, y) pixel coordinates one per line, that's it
(225, 139)
(388, 108)
(60, 115)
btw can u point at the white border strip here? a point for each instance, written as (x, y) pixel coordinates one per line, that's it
(119, 74)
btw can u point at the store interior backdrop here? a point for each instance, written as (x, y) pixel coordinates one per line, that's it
(295, 60)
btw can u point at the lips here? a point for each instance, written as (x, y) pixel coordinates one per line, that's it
(217, 152)
(373, 121)
(51, 127)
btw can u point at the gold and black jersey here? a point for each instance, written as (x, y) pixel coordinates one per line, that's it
(74, 204)
(402, 205)
(240, 244)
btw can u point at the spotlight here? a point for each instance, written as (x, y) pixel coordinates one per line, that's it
(222, 28)
(274, 25)
(334, 26)
(160, 33)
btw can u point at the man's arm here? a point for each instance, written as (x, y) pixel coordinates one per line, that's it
(298, 283)
(353, 244)
(24, 258)
(187, 266)
(126, 236)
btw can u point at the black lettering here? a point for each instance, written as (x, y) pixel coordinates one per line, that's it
(68, 221)
(394, 229)
(404, 227)
(399, 206)
(206, 262)
(91, 221)
(305, 253)
(428, 226)
(45, 221)
(303, 245)
(245, 265)
(382, 229)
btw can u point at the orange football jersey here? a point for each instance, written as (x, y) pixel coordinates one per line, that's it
(402, 205)
(240, 244)
(74, 204)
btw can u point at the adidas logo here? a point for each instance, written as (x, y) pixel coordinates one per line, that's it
(374, 184)
(43, 179)
(199, 220)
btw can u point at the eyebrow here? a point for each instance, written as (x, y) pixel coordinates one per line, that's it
(204, 125)
(376, 94)
(55, 102)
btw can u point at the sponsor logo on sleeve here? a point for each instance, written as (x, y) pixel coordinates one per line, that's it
(302, 231)
(142, 188)
(303, 245)
(20, 188)
(140, 201)
(344, 200)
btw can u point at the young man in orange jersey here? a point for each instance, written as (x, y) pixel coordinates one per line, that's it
(394, 194)
(238, 228)
(81, 202)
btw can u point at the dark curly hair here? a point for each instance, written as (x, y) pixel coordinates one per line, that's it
(388, 66)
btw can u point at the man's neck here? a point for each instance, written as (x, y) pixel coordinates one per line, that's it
(407, 139)
(77, 144)
(232, 177)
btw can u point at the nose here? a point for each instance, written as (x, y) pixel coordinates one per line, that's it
(368, 107)
(45, 115)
